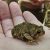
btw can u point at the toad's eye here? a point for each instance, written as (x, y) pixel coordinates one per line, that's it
(38, 31)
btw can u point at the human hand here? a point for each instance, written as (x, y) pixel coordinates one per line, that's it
(13, 16)
(18, 17)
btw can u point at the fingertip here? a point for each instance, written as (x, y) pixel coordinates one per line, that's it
(3, 3)
(26, 13)
(15, 9)
(4, 10)
(13, 3)
(31, 18)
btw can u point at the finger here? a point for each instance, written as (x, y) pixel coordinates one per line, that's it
(16, 13)
(6, 19)
(29, 17)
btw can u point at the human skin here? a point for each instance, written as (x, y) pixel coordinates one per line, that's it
(12, 44)
(6, 20)
(17, 16)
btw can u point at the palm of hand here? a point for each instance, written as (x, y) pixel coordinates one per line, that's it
(6, 42)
